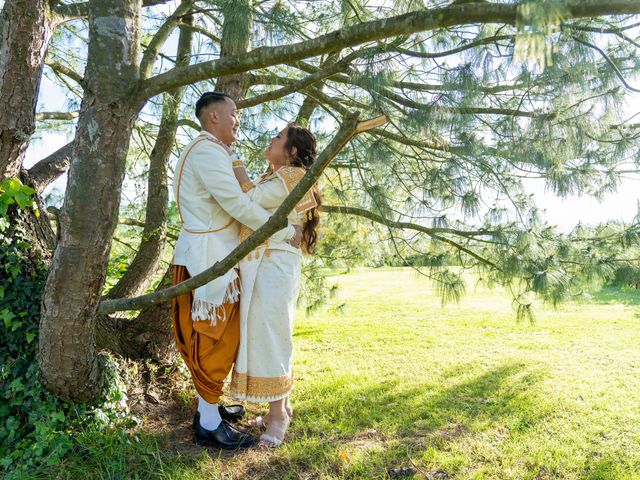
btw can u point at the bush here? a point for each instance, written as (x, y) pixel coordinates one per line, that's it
(36, 428)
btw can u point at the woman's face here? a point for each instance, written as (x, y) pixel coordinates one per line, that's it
(276, 152)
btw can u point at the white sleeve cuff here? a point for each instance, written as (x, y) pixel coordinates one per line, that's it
(291, 232)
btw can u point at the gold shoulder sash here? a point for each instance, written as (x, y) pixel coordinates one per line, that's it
(291, 176)
(184, 160)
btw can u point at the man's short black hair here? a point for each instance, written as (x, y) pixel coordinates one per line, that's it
(209, 98)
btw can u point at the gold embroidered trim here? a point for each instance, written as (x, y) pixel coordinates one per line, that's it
(291, 176)
(246, 186)
(178, 189)
(260, 387)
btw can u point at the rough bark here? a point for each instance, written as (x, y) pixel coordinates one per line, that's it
(35, 227)
(68, 357)
(307, 108)
(50, 168)
(25, 31)
(149, 335)
(236, 40)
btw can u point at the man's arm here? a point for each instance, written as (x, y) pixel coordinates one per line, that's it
(211, 164)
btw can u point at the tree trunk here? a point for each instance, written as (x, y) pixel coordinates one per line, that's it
(88, 218)
(25, 30)
(37, 228)
(149, 336)
(236, 39)
(141, 270)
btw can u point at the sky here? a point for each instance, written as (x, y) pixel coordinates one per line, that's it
(621, 205)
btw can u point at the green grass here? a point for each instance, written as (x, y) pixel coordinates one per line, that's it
(462, 392)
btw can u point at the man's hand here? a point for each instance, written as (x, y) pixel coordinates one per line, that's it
(297, 240)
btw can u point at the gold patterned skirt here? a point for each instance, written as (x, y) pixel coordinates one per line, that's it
(270, 285)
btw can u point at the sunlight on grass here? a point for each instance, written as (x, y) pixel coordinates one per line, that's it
(463, 392)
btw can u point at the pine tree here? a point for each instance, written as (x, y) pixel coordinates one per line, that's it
(479, 95)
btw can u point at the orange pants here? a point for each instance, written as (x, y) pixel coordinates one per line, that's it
(208, 350)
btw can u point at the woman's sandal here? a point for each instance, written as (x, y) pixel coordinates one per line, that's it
(269, 441)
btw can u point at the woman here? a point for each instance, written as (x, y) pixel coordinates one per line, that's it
(270, 283)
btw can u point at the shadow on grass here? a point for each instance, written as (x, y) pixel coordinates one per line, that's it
(618, 295)
(387, 419)
(334, 415)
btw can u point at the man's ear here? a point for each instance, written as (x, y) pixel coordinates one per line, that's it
(213, 115)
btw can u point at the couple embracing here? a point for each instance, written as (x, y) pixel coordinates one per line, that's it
(243, 320)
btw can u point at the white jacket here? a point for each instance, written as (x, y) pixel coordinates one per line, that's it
(210, 204)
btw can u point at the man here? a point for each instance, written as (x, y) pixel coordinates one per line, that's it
(211, 206)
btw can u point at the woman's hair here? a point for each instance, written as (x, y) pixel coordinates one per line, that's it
(305, 143)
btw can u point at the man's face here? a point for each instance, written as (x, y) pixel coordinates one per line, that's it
(224, 117)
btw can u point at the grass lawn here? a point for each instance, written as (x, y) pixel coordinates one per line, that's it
(462, 392)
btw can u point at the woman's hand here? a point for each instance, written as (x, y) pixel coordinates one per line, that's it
(241, 175)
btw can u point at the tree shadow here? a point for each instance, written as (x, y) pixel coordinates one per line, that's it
(617, 295)
(420, 416)
(306, 331)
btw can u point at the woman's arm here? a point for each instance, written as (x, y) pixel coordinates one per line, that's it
(241, 175)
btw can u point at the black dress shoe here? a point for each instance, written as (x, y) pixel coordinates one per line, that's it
(232, 413)
(224, 437)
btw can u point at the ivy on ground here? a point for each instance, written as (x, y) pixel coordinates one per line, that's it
(37, 429)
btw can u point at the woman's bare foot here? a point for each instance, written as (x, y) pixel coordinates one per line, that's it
(276, 430)
(288, 408)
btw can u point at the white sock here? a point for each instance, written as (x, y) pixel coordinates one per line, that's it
(209, 414)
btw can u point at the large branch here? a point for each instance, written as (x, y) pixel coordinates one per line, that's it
(434, 233)
(49, 168)
(72, 11)
(297, 85)
(349, 127)
(431, 231)
(160, 37)
(42, 116)
(422, 20)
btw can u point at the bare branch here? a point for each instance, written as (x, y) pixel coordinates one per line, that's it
(138, 223)
(42, 116)
(297, 85)
(431, 231)
(477, 43)
(609, 61)
(160, 37)
(66, 71)
(49, 168)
